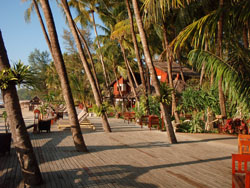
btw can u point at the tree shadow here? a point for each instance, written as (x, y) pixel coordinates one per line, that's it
(118, 175)
(207, 140)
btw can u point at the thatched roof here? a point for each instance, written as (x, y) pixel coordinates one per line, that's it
(139, 91)
(36, 101)
(175, 68)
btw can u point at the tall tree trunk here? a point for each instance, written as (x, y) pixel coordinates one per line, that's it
(248, 33)
(61, 70)
(219, 52)
(148, 80)
(136, 48)
(203, 67)
(117, 81)
(169, 57)
(42, 25)
(132, 73)
(27, 159)
(99, 47)
(97, 97)
(155, 81)
(91, 59)
(129, 75)
(137, 54)
(245, 40)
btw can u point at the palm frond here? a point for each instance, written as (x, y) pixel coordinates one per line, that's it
(238, 87)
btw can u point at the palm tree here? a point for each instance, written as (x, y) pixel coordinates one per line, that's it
(106, 126)
(91, 6)
(219, 53)
(158, 14)
(60, 67)
(155, 81)
(27, 18)
(136, 48)
(27, 159)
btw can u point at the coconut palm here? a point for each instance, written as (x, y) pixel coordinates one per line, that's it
(136, 48)
(206, 31)
(84, 8)
(97, 97)
(155, 81)
(60, 67)
(27, 159)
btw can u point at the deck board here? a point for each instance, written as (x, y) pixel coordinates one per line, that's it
(130, 156)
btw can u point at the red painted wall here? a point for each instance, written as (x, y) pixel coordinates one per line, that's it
(164, 75)
(116, 91)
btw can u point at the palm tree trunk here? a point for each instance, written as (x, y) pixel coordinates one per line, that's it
(97, 97)
(169, 57)
(42, 25)
(148, 80)
(136, 48)
(61, 70)
(117, 81)
(245, 40)
(129, 75)
(248, 34)
(219, 52)
(91, 59)
(203, 67)
(132, 73)
(27, 159)
(155, 81)
(99, 47)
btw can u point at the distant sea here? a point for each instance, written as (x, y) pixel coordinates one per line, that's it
(1, 102)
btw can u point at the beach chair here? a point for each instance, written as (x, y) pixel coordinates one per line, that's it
(82, 116)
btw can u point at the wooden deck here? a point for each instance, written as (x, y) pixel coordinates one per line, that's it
(127, 157)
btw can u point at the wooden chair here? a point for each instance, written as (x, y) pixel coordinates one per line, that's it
(240, 171)
(129, 116)
(244, 144)
(153, 120)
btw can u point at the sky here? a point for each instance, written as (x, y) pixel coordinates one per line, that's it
(22, 38)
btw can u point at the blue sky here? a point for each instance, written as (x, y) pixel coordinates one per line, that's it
(21, 38)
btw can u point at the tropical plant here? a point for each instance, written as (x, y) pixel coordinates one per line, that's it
(19, 74)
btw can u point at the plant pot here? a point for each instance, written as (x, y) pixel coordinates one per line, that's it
(5, 141)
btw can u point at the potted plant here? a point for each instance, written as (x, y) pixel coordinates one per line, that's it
(5, 138)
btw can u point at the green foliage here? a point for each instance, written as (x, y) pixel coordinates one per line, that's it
(6, 77)
(22, 73)
(24, 94)
(43, 109)
(199, 100)
(166, 92)
(235, 71)
(196, 125)
(19, 74)
(141, 109)
(99, 110)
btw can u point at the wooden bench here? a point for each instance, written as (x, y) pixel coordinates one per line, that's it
(150, 120)
(240, 171)
(44, 125)
(243, 144)
(129, 116)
